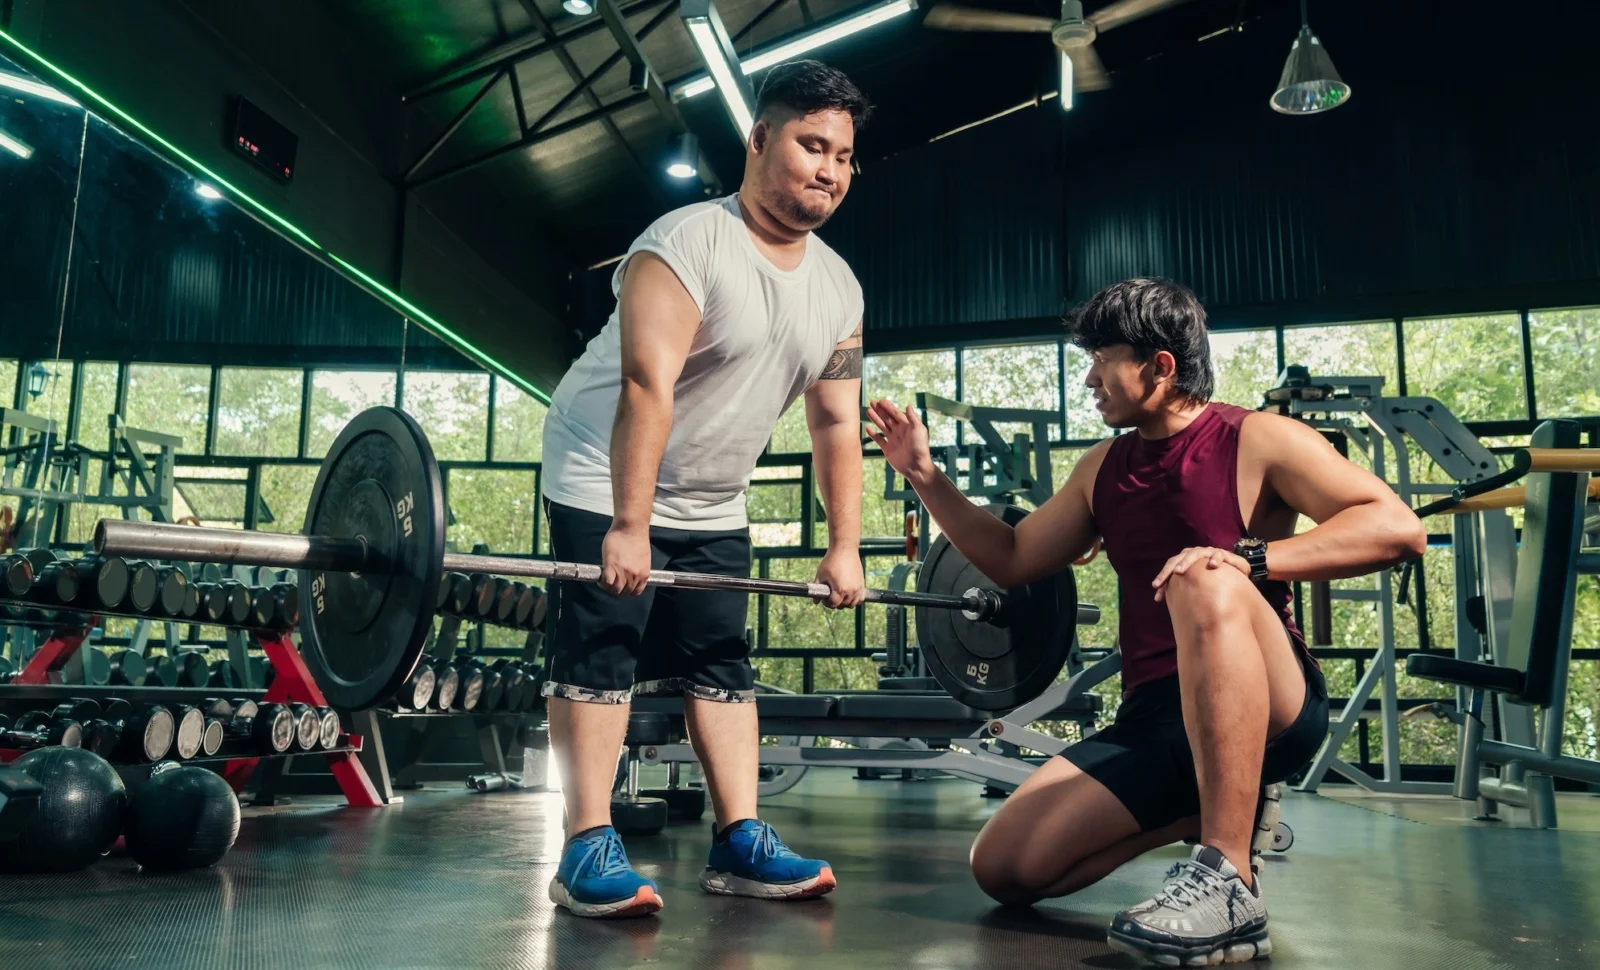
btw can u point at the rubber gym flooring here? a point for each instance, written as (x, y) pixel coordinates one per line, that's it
(458, 879)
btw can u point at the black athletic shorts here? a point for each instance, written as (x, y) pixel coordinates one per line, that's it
(667, 640)
(1144, 758)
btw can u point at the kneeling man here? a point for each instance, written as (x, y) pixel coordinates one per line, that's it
(1196, 510)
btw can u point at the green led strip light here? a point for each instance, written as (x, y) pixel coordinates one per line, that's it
(376, 288)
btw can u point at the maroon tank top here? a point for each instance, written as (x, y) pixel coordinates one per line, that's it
(1152, 500)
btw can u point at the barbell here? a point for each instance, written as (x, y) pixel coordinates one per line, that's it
(372, 555)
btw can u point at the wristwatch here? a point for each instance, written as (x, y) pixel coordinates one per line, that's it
(1254, 552)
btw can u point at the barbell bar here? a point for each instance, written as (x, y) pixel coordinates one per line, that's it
(156, 540)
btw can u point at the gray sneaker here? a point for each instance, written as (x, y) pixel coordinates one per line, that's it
(1205, 915)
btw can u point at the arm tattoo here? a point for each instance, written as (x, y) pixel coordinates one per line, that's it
(844, 365)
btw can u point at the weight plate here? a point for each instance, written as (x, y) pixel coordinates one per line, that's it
(985, 665)
(363, 633)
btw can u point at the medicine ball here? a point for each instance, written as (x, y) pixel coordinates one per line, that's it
(78, 816)
(183, 818)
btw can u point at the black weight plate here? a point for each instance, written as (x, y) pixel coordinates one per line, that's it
(984, 665)
(363, 633)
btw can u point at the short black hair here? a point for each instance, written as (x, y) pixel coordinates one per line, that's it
(1151, 315)
(806, 87)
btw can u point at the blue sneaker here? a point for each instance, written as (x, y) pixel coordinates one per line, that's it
(595, 879)
(753, 861)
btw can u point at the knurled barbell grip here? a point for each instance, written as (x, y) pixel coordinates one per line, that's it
(114, 537)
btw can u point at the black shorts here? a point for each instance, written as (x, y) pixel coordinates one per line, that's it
(666, 640)
(1144, 758)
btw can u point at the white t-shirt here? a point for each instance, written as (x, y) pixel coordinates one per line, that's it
(765, 334)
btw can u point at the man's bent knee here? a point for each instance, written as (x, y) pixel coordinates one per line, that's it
(1000, 881)
(1207, 597)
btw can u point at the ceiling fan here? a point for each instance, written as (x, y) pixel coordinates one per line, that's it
(1073, 35)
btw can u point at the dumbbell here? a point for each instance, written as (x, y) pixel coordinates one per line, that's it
(58, 582)
(263, 611)
(446, 684)
(193, 671)
(16, 576)
(632, 814)
(144, 586)
(455, 592)
(205, 572)
(128, 669)
(237, 608)
(494, 687)
(307, 727)
(172, 591)
(213, 602)
(514, 681)
(160, 672)
(541, 608)
(505, 602)
(36, 729)
(484, 590)
(195, 733)
(417, 692)
(96, 666)
(193, 604)
(105, 581)
(527, 599)
(286, 604)
(40, 558)
(470, 689)
(145, 734)
(272, 727)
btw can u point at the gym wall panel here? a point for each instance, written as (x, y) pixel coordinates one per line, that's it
(957, 231)
(1448, 184)
(173, 65)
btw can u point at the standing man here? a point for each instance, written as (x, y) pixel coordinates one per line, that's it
(1196, 509)
(727, 311)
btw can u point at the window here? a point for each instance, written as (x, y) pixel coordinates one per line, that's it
(8, 383)
(171, 399)
(496, 508)
(57, 395)
(453, 409)
(337, 396)
(1244, 363)
(1022, 376)
(518, 424)
(1083, 420)
(898, 377)
(285, 493)
(791, 435)
(1473, 365)
(1566, 361)
(99, 402)
(258, 412)
(796, 621)
(774, 507)
(1345, 350)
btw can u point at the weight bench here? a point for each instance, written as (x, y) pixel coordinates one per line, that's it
(1530, 668)
(898, 729)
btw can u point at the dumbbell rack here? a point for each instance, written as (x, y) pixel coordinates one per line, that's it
(40, 680)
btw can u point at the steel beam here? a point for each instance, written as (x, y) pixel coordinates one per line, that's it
(506, 55)
(558, 45)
